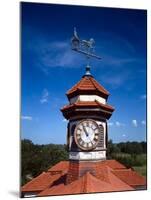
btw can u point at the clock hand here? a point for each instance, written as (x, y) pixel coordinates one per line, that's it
(88, 135)
(89, 138)
(85, 130)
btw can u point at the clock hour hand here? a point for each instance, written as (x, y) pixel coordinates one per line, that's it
(89, 138)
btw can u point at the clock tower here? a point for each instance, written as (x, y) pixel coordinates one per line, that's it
(87, 170)
(87, 114)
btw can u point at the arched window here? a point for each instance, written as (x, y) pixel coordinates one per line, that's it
(101, 142)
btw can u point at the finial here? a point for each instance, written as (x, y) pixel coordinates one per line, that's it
(88, 73)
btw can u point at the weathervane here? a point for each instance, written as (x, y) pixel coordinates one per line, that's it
(85, 47)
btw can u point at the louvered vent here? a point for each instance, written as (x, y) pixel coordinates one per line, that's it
(101, 142)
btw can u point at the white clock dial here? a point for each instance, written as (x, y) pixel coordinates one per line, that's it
(87, 134)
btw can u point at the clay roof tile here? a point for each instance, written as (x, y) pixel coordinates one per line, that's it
(41, 182)
(130, 177)
(87, 184)
(114, 164)
(88, 104)
(110, 176)
(88, 83)
(61, 166)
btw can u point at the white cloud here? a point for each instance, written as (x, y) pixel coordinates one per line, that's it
(56, 54)
(143, 97)
(64, 120)
(45, 95)
(43, 100)
(110, 123)
(26, 117)
(143, 122)
(119, 124)
(134, 123)
(124, 135)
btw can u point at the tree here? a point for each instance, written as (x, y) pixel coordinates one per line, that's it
(38, 158)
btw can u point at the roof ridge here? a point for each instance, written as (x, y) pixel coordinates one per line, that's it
(91, 79)
(86, 176)
(106, 104)
(87, 84)
(85, 183)
(95, 82)
(104, 174)
(79, 83)
(75, 85)
(98, 102)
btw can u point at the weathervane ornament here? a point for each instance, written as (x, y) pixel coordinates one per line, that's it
(85, 47)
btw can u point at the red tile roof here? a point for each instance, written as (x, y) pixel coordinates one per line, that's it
(114, 164)
(87, 83)
(87, 184)
(62, 166)
(73, 109)
(76, 169)
(88, 104)
(41, 182)
(110, 176)
(99, 169)
(130, 177)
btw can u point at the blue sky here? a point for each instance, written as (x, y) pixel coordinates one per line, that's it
(49, 67)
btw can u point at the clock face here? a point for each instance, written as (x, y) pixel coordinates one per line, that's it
(87, 134)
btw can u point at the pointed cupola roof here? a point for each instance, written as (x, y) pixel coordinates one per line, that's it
(89, 86)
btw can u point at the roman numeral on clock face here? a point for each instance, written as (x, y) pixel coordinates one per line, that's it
(85, 144)
(80, 141)
(79, 129)
(90, 144)
(78, 136)
(96, 137)
(87, 134)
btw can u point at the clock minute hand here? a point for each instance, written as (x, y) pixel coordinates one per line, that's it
(86, 133)
(85, 130)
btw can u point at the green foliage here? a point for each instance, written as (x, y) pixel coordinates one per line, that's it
(130, 160)
(141, 170)
(130, 154)
(133, 147)
(112, 148)
(127, 147)
(38, 158)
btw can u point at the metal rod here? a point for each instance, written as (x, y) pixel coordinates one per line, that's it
(87, 54)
